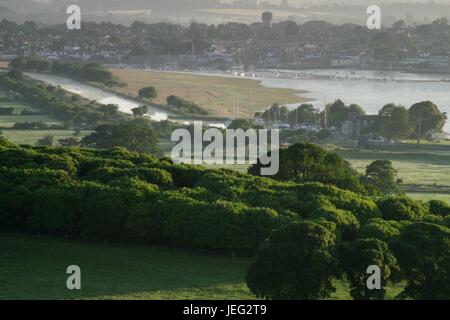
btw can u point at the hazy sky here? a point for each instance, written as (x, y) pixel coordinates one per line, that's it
(313, 2)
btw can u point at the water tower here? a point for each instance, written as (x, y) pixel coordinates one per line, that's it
(267, 18)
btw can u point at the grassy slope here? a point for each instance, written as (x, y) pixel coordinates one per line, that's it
(34, 267)
(215, 94)
(425, 176)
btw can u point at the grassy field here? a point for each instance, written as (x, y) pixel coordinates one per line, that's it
(7, 121)
(33, 267)
(429, 196)
(425, 176)
(215, 94)
(31, 137)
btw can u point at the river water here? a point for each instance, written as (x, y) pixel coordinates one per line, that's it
(370, 89)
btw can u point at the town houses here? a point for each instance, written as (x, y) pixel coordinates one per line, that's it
(266, 44)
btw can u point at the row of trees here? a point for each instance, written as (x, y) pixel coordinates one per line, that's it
(115, 194)
(58, 103)
(311, 163)
(422, 120)
(300, 261)
(93, 72)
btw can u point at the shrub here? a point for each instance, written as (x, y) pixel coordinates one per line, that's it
(402, 208)
(438, 207)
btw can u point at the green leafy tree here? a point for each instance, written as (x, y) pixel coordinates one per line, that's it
(382, 175)
(69, 142)
(296, 262)
(357, 256)
(380, 229)
(241, 124)
(139, 111)
(311, 163)
(134, 136)
(423, 252)
(109, 109)
(440, 208)
(46, 141)
(402, 209)
(394, 122)
(148, 93)
(427, 119)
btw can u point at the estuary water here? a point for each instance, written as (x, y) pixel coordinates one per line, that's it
(370, 89)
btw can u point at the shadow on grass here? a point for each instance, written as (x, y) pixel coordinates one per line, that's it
(33, 267)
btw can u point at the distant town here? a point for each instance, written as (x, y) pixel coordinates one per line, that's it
(237, 47)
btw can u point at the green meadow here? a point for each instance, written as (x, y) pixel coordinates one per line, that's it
(34, 267)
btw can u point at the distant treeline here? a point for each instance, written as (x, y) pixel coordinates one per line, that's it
(93, 72)
(58, 103)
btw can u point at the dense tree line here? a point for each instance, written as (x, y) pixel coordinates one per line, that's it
(58, 103)
(93, 72)
(422, 120)
(304, 162)
(310, 232)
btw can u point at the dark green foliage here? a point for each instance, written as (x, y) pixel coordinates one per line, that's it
(427, 119)
(296, 262)
(440, 208)
(394, 122)
(6, 111)
(241, 124)
(119, 195)
(148, 92)
(184, 106)
(311, 163)
(46, 141)
(382, 176)
(139, 111)
(69, 142)
(357, 256)
(30, 63)
(338, 112)
(155, 176)
(380, 229)
(94, 72)
(132, 135)
(402, 208)
(345, 221)
(423, 252)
